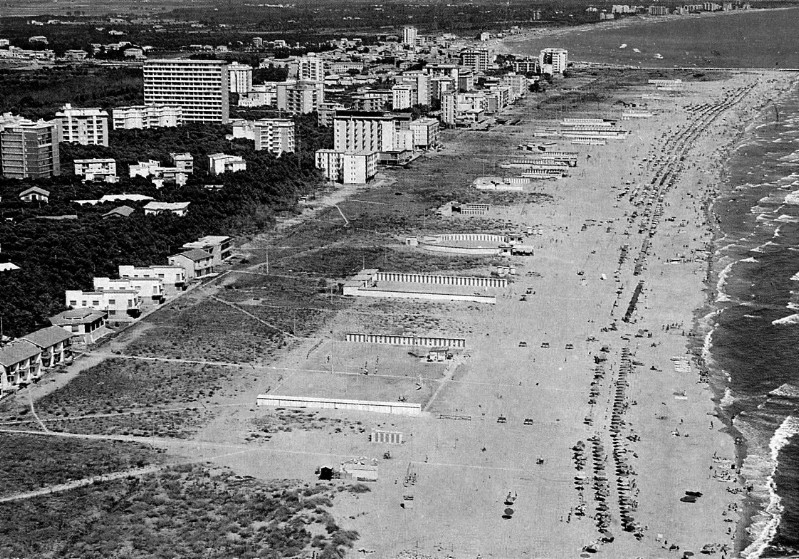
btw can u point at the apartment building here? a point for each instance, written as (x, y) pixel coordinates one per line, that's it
(28, 149)
(172, 277)
(87, 127)
(347, 167)
(311, 68)
(275, 135)
(54, 345)
(477, 59)
(199, 87)
(300, 97)
(146, 116)
(118, 304)
(159, 175)
(196, 263)
(553, 61)
(150, 290)
(96, 169)
(425, 133)
(526, 65)
(239, 77)
(409, 36)
(219, 163)
(219, 247)
(355, 131)
(183, 162)
(403, 97)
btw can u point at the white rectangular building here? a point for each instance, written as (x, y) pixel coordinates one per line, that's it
(170, 276)
(83, 126)
(553, 61)
(425, 133)
(150, 289)
(96, 169)
(219, 163)
(239, 77)
(275, 135)
(347, 167)
(146, 116)
(122, 304)
(199, 87)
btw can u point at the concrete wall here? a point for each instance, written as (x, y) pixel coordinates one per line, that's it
(454, 343)
(476, 251)
(468, 281)
(500, 187)
(396, 408)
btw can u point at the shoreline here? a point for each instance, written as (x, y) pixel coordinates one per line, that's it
(718, 380)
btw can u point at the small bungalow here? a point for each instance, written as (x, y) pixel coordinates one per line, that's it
(8, 267)
(83, 325)
(34, 194)
(178, 208)
(121, 211)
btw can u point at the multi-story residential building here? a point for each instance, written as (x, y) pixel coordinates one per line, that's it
(239, 77)
(409, 35)
(517, 84)
(118, 304)
(526, 65)
(311, 68)
(28, 149)
(54, 344)
(88, 127)
(219, 247)
(355, 131)
(425, 133)
(172, 277)
(146, 116)
(199, 87)
(20, 364)
(160, 175)
(275, 135)
(301, 97)
(219, 163)
(402, 97)
(348, 167)
(96, 169)
(326, 112)
(477, 59)
(655, 10)
(371, 101)
(553, 60)
(196, 263)
(183, 161)
(151, 290)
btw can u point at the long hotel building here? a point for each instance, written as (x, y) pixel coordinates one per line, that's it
(199, 87)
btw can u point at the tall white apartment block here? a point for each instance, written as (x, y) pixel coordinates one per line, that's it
(553, 60)
(239, 77)
(199, 87)
(350, 168)
(311, 68)
(83, 126)
(425, 133)
(402, 97)
(363, 132)
(275, 135)
(146, 116)
(409, 34)
(477, 59)
(300, 97)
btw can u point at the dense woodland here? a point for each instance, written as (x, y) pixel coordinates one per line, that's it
(66, 254)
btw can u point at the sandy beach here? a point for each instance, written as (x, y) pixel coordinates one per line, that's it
(601, 426)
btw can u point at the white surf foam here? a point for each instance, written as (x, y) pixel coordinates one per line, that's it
(786, 390)
(751, 260)
(765, 525)
(786, 321)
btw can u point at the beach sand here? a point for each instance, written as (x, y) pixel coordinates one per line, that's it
(614, 380)
(505, 418)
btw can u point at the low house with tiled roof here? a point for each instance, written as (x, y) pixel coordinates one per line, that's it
(34, 194)
(178, 208)
(121, 211)
(197, 263)
(84, 325)
(20, 364)
(55, 344)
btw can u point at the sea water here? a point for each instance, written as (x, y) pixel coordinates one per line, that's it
(753, 345)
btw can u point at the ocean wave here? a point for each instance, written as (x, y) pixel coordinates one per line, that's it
(788, 320)
(784, 218)
(728, 399)
(765, 524)
(751, 260)
(786, 390)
